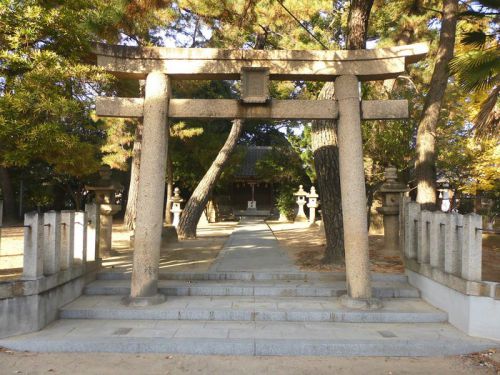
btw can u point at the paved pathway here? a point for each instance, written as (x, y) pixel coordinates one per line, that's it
(253, 247)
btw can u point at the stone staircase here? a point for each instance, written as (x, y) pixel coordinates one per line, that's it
(251, 313)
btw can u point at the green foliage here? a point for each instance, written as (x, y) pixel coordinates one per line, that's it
(46, 91)
(301, 144)
(477, 70)
(119, 142)
(281, 165)
(285, 202)
(476, 67)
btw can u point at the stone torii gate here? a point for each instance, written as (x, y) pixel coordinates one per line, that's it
(160, 65)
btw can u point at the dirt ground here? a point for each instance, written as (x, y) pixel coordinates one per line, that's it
(110, 363)
(491, 257)
(188, 255)
(306, 246)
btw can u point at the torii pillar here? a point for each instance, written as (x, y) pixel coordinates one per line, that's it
(151, 191)
(353, 191)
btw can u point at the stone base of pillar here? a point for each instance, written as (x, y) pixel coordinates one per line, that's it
(314, 224)
(360, 303)
(143, 301)
(301, 219)
(282, 218)
(389, 253)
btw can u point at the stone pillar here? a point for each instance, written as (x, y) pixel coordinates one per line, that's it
(93, 228)
(391, 191)
(312, 204)
(67, 239)
(252, 204)
(176, 207)
(33, 246)
(472, 248)
(80, 237)
(105, 234)
(301, 201)
(352, 185)
(411, 215)
(51, 242)
(151, 191)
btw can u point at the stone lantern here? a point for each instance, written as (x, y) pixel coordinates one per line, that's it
(391, 191)
(312, 204)
(301, 195)
(176, 206)
(105, 196)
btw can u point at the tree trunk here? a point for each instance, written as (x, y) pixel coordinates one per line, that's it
(59, 194)
(9, 199)
(170, 190)
(326, 162)
(131, 209)
(425, 165)
(357, 23)
(196, 204)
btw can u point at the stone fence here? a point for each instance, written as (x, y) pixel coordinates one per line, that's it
(445, 247)
(60, 257)
(443, 259)
(449, 242)
(57, 241)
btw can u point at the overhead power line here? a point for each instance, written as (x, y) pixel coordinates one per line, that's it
(301, 25)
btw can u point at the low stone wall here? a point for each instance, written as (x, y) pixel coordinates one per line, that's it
(60, 258)
(442, 255)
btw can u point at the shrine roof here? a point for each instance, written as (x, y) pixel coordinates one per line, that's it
(252, 156)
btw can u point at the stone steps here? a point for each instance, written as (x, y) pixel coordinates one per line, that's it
(249, 338)
(119, 274)
(381, 289)
(297, 309)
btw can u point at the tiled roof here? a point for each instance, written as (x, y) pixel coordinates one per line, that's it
(252, 156)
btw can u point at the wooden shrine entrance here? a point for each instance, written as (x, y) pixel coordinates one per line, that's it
(255, 68)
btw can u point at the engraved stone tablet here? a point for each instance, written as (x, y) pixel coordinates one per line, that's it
(254, 85)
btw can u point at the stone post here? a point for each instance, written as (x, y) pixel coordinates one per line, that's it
(301, 201)
(93, 229)
(411, 215)
(471, 262)
(151, 191)
(33, 246)
(51, 242)
(352, 186)
(312, 204)
(391, 191)
(67, 239)
(437, 238)
(176, 206)
(454, 226)
(80, 237)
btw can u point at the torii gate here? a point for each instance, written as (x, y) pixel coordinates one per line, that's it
(254, 67)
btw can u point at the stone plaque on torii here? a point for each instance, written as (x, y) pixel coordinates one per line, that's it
(255, 68)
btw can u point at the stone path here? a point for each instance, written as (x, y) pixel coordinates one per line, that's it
(252, 247)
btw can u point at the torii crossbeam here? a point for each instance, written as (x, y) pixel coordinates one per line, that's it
(255, 68)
